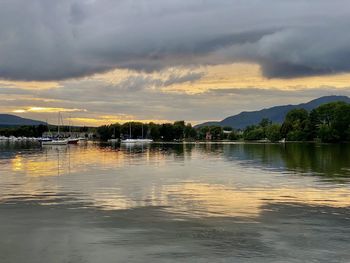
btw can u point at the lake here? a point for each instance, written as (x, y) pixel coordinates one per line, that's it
(175, 203)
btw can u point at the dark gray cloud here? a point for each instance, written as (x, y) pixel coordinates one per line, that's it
(52, 40)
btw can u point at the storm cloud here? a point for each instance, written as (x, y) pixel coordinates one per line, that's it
(56, 40)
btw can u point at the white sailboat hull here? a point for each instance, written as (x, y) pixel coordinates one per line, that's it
(136, 141)
(54, 142)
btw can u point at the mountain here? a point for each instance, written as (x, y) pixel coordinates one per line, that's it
(275, 114)
(13, 120)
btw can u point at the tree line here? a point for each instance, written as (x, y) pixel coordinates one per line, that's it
(177, 131)
(328, 123)
(166, 131)
(23, 131)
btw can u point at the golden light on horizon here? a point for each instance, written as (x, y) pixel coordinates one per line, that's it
(47, 110)
(19, 111)
(106, 120)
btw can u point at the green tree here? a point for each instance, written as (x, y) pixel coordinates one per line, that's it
(264, 123)
(216, 132)
(273, 132)
(331, 121)
(190, 132)
(233, 136)
(254, 132)
(328, 134)
(296, 125)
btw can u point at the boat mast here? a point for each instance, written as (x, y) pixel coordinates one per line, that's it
(70, 126)
(58, 127)
(48, 127)
(142, 130)
(130, 130)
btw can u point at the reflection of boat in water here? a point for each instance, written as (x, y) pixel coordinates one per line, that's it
(113, 140)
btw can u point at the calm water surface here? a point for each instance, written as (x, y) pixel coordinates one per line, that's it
(175, 203)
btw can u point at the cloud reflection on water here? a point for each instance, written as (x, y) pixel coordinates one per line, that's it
(189, 180)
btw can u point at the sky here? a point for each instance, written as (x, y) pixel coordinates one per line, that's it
(104, 61)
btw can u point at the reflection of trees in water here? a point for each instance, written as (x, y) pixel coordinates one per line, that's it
(14, 151)
(326, 159)
(211, 148)
(331, 160)
(268, 155)
(179, 151)
(9, 150)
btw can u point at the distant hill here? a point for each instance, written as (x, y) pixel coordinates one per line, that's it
(13, 120)
(275, 114)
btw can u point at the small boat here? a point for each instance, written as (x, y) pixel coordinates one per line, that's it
(282, 141)
(13, 138)
(55, 142)
(45, 139)
(73, 140)
(135, 141)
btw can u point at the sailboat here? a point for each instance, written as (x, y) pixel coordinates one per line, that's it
(47, 138)
(70, 139)
(73, 140)
(135, 141)
(57, 141)
(114, 139)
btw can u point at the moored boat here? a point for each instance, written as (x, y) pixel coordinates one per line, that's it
(282, 140)
(135, 141)
(45, 139)
(73, 140)
(55, 142)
